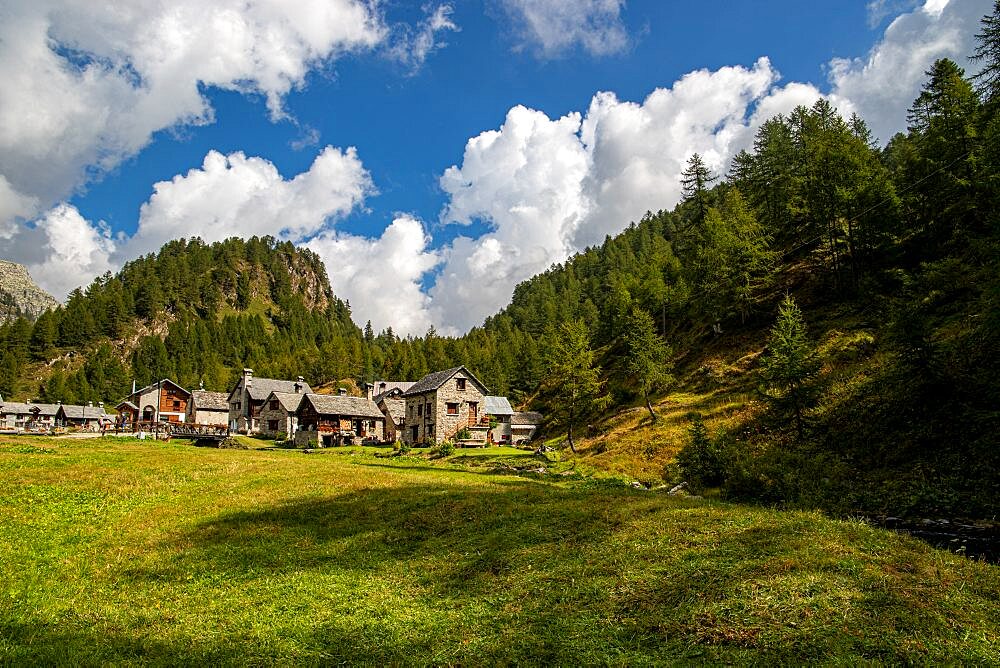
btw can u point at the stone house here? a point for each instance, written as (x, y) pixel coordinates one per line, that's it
(88, 417)
(279, 414)
(208, 408)
(393, 407)
(162, 401)
(247, 398)
(498, 410)
(524, 425)
(441, 404)
(27, 416)
(338, 420)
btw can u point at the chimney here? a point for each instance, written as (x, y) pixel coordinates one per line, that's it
(247, 377)
(90, 404)
(100, 405)
(342, 391)
(298, 388)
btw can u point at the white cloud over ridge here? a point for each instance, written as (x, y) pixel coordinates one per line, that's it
(235, 195)
(381, 278)
(552, 27)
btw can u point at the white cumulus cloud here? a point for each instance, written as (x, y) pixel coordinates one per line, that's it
(87, 84)
(382, 277)
(236, 195)
(62, 250)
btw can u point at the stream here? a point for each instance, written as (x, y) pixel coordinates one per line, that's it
(975, 541)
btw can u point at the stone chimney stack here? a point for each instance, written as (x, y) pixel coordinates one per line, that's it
(247, 377)
(342, 391)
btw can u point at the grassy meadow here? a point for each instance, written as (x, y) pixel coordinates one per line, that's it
(129, 552)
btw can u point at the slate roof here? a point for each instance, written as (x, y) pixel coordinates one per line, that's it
(388, 394)
(15, 408)
(289, 400)
(332, 404)
(73, 412)
(497, 406)
(260, 388)
(401, 385)
(127, 404)
(526, 418)
(47, 409)
(210, 401)
(433, 381)
(395, 407)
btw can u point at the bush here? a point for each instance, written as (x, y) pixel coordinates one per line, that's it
(463, 434)
(701, 459)
(281, 436)
(447, 448)
(402, 447)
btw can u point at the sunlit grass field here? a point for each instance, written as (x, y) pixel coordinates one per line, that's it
(117, 551)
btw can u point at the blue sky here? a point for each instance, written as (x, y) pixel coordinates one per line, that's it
(480, 152)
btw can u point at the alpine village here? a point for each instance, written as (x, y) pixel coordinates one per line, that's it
(762, 427)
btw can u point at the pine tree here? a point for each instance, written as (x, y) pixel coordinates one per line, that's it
(648, 356)
(791, 364)
(573, 377)
(988, 53)
(695, 181)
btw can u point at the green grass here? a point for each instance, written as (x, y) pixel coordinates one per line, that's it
(140, 552)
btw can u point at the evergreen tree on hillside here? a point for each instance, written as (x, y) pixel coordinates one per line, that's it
(988, 53)
(695, 181)
(573, 378)
(790, 365)
(647, 357)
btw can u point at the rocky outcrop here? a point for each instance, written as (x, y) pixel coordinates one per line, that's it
(19, 295)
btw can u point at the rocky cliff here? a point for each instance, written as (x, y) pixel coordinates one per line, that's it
(19, 295)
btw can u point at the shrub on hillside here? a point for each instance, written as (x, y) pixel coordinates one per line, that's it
(701, 460)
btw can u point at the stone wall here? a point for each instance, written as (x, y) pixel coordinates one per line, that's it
(286, 421)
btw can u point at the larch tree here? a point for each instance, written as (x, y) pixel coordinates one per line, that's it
(573, 376)
(648, 356)
(988, 53)
(791, 364)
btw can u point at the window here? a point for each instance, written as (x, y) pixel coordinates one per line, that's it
(272, 425)
(460, 384)
(177, 405)
(274, 404)
(420, 409)
(237, 405)
(452, 409)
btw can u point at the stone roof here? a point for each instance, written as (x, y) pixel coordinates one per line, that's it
(401, 385)
(331, 404)
(289, 400)
(15, 408)
(526, 418)
(46, 409)
(433, 381)
(127, 404)
(210, 401)
(73, 412)
(395, 407)
(260, 388)
(497, 406)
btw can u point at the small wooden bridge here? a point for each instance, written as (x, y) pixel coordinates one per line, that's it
(169, 430)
